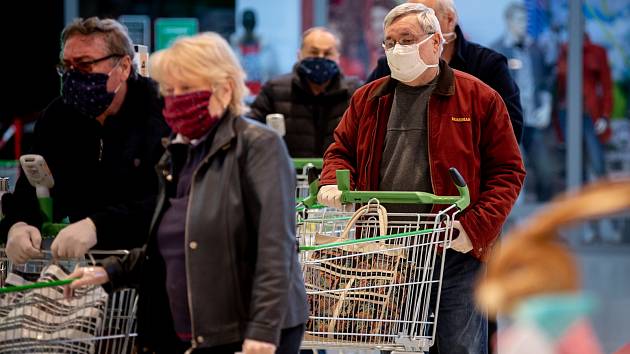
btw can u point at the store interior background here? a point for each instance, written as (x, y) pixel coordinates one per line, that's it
(31, 48)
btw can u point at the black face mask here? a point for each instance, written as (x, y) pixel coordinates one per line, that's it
(318, 70)
(86, 92)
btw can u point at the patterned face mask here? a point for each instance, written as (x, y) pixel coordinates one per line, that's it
(87, 92)
(188, 114)
(318, 70)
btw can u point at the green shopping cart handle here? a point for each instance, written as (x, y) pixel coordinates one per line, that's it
(348, 196)
(299, 163)
(43, 284)
(50, 230)
(364, 240)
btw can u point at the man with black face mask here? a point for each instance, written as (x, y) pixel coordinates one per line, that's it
(312, 98)
(101, 140)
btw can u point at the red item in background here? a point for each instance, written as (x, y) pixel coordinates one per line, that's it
(597, 83)
(624, 350)
(17, 122)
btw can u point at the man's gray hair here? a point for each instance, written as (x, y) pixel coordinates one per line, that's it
(426, 17)
(448, 5)
(114, 33)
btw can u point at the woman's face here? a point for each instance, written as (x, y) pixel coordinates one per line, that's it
(221, 93)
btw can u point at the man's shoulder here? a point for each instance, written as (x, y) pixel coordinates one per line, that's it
(351, 83)
(280, 80)
(482, 59)
(467, 82)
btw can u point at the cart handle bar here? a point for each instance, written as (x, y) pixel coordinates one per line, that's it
(462, 201)
(300, 163)
(348, 196)
(41, 284)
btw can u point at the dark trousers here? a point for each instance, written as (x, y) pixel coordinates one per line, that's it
(290, 340)
(461, 328)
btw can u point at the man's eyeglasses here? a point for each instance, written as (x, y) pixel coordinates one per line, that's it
(84, 66)
(390, 43)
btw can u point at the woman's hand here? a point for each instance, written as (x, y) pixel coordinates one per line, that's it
(85, 276)
(251, 346)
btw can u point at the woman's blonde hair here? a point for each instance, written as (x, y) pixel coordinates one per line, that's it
(207, 57)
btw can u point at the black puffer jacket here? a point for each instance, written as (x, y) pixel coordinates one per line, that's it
(309, 120)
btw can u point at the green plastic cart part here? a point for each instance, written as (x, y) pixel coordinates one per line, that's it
(43, 284)
(299, 163)
(46, 207)
(348, 196)
(50, 230)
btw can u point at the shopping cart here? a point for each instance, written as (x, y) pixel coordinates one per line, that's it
(373, 278)
(35, 316)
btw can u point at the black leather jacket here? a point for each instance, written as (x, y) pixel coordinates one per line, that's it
(244, 279)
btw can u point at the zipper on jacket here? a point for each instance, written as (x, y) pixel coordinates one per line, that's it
(100, 150)
(187, 245)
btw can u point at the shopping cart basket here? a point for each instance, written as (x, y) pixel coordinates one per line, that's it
(35, 316)
(373, 278)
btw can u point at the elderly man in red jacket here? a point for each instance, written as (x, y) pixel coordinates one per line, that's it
(404, 131)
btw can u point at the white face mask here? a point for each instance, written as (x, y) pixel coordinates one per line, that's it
(405, 62)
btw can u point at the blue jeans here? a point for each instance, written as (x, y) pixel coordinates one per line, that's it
(593, 150)
(461, 328)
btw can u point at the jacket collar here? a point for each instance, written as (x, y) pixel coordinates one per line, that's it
(462, 44)
(445, 83)
(219, 138)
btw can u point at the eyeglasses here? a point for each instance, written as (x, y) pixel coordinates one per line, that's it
(390, 43)
(84, 66)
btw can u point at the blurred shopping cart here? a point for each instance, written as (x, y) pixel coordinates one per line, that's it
(373, 278)
(35, 316)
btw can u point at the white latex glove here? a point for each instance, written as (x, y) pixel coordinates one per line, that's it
(330, 196)
(541, 116)
(23, 242)
(251, 346)
(86, 276)
(462, 242)
(601, 124)
(74, 240)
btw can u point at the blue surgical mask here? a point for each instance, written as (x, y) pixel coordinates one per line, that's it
(318, 70)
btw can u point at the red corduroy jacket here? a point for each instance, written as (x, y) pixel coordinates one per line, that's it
(468, 128)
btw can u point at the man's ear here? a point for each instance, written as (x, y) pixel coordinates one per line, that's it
(451, 20)
(125, 65)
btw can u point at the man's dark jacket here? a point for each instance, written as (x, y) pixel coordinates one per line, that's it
(105, 172)
(309, 120)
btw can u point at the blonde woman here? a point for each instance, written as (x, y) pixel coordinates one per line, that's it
(219, 272)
